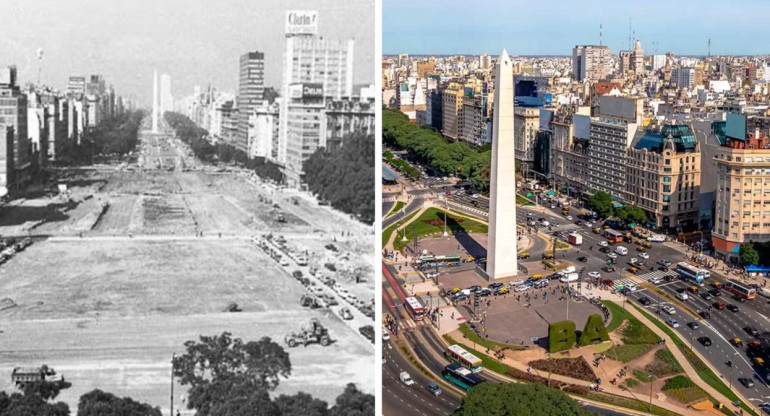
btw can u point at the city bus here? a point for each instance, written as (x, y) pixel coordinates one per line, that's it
(691, 272)
(741, 289)
(414, 308)
(613, 235)
(459, 355)
(461, 376)
(428, 262)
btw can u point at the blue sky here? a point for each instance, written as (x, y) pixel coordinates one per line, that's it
(553, 27)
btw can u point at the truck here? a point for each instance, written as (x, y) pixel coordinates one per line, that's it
(575, 239)
(621, 250)
(22, 376)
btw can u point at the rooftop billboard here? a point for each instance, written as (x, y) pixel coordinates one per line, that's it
(301, 22)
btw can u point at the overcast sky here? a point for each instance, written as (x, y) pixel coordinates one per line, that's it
(554, 27)
(196, 42)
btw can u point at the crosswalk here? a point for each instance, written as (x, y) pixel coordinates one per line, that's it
(655, 273)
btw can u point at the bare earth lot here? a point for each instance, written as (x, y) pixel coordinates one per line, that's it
(133, 263)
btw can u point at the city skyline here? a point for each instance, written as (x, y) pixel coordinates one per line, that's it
(473, 32)
(200, 46)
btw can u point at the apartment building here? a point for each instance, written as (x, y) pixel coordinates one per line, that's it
(526, 123)
(590, 62)
(742, 206)
(571, 132)
(451, 108)
(663, 176)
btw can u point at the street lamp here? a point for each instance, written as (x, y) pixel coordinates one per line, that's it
(446, 208)
(403, 219)
(172, 383)
(650, 409)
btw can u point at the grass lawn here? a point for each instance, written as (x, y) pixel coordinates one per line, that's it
(643, 376)
(684, 390)
(632, 382)
(701, 368)
(396, 208)
(638, 405)
(486, 343)
(386, 233)
(618, 315)
(432, 222)
(520, 200)
(664, 365)
(627, 352)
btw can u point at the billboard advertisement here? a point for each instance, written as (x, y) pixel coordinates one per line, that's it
(736, 126)
(301, 22)
(314, 90)
(295, 91)
(305, 91)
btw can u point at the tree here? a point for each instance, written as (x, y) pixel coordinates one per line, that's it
(594, 330)
(99, 403)
(631, 214)
(353, 402)
(512, 399)
(344, 176)
(30, 403)
(221, 369)
(601, 202)
(749, 254)
(301, 404)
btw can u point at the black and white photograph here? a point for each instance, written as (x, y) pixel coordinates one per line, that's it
(187, 207)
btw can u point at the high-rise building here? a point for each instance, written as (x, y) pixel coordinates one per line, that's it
(348, 116)
(571, 141)
(683, 77)
(76, 86)
(625, 62)
(742, 202)
(590, 62)
(315, 69)
(403, 59)
(658, 62)
(637, 59)
(166, 98)
(610, 135)
(6, 159)
(451, 105)
(251, 89)
(13, 113)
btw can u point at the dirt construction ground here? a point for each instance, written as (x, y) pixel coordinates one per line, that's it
(132, 263)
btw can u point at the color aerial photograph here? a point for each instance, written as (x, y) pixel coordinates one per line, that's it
(576, 208)
(187, 208)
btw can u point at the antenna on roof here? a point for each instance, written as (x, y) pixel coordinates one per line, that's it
(600, 34)
(630, 33)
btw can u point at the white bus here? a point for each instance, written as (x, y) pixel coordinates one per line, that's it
(459, 355)
(691, 272)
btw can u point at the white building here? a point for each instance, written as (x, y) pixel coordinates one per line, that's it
(683, 77)
(263, 131)
(658, 61)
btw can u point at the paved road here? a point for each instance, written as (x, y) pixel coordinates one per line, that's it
(411, 207)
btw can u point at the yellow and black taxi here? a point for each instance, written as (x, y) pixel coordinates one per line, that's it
(737, 342)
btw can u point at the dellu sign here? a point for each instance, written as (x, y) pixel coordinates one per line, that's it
(306, 90)
(301, 22)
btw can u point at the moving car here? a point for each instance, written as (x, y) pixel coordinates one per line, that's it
(705, 315)
(612, 255)
(673, 323)
(433, 388)
(668, 309)
(705, 295)
(705, 341)
(682, 296)
(644, 300)
(608, 269)
(732, 308)
(594, 275)
(747, 382)
(582, 259)
(693, 325)
(737, 342)
(644, 256)
(405, 378)
(751, 331)
(604, 243)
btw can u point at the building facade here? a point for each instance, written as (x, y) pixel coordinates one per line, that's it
(451, 109)
(526, 122)
(348, 116)
(590, 62)
(251, 88)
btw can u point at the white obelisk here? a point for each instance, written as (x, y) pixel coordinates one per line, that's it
(501, 249)
(155, 101)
